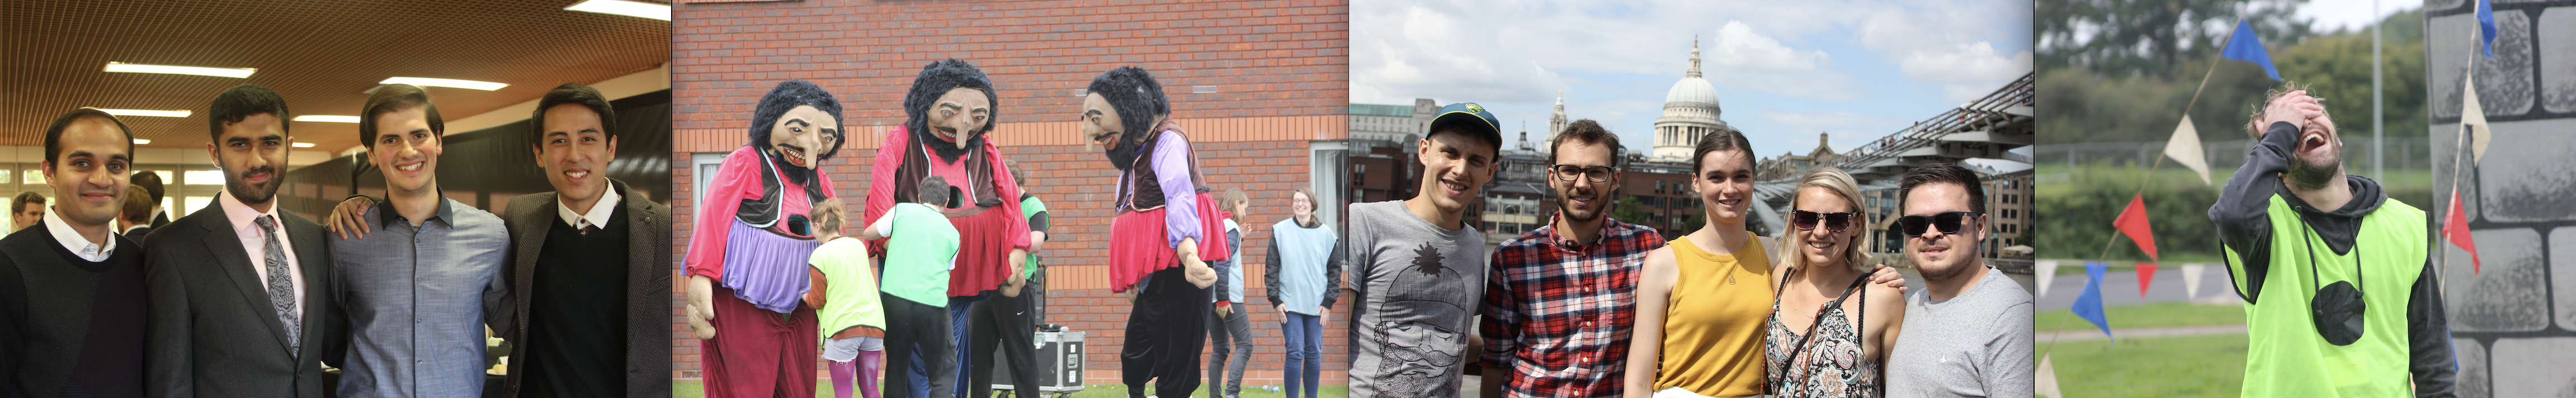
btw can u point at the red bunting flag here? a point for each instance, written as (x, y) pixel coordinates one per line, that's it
(2456, 227)
(2133, 222)
(2146, 276)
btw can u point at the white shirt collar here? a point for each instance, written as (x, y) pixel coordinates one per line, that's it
(72, 240)
(599, 211)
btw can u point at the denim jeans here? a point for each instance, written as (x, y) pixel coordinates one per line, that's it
(1228, 358)
(1305, 354)
(962, 332)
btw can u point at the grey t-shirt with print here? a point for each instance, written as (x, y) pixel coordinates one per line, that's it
(1421, 287)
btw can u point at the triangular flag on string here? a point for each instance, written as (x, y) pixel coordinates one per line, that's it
(2455, 225)
(2089, 305)
(2244, 46)
(2133, 222)
(2487, 26)
(2046, 384)
(2191, 279)
(2473, 118)
(2047, 270)
(2184, 148)
(2146, 277)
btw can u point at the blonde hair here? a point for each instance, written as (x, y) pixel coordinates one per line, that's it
(828, 215)
(1841, 184)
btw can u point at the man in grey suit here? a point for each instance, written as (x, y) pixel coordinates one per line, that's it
(241, 302)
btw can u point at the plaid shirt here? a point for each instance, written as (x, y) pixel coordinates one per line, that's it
(1557, 314)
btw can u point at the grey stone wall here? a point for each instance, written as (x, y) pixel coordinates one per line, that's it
(2514, 323)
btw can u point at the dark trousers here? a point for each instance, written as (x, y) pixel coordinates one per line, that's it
(918, 349)
(1161, 344)
(1003, 323)
(1231, 335)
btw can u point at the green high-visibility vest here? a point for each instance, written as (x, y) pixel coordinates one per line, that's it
(2285, 357)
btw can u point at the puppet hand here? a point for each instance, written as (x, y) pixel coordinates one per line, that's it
(1198, 272)
(702, 310)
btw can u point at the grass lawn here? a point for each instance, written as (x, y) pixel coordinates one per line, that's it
(691, 389)
(2197, 366)
(2146, 316)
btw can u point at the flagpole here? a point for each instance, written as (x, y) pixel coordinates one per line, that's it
(2213, 71)
(2461, 149)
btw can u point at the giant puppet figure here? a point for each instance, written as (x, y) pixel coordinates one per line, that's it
(948, 114)
(748, 251)
(1162, 229)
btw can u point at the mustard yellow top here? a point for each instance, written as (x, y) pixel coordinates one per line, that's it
(1713, 323)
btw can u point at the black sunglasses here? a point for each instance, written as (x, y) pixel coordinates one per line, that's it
(1947, 222)
(1837, 222)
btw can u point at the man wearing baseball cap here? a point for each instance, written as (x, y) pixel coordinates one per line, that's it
(1420, 269)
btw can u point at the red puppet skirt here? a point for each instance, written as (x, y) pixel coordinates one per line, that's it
(1140, 245)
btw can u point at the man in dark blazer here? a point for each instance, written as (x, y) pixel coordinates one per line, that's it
(559, 241)
(241, 302)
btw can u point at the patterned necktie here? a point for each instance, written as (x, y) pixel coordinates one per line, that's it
(587, 227)
(281, 289)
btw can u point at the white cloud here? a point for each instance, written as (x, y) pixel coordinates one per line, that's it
(1740, 58)
(1419, 53)
(1968, 71)
(1488, 48)
(1950, 45)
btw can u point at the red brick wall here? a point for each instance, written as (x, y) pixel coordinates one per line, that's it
(1279, 67)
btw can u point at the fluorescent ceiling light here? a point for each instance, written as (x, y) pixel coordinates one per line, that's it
(304, 145)
(327, 118)
(139, 141)
(626, 8)
(142, 112)
(180, 70)
(465, 84)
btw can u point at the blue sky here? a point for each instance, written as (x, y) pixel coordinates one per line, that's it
(1784, 70)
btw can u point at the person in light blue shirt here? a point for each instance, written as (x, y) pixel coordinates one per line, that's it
(416, 291)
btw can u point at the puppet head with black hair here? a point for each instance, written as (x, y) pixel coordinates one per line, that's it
(798, 125)
(950, 107)
(1121, 111)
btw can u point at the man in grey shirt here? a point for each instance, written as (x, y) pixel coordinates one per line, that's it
(1967, 334)
(415, 290)
(1420, 268)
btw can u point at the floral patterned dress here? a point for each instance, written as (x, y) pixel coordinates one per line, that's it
(1830, 363)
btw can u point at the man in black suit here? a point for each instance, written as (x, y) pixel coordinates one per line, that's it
(71, 290)
(241, 302)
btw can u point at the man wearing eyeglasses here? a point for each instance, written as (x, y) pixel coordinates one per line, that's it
(2340, 296)
(1558, 302)
(1968, 334)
